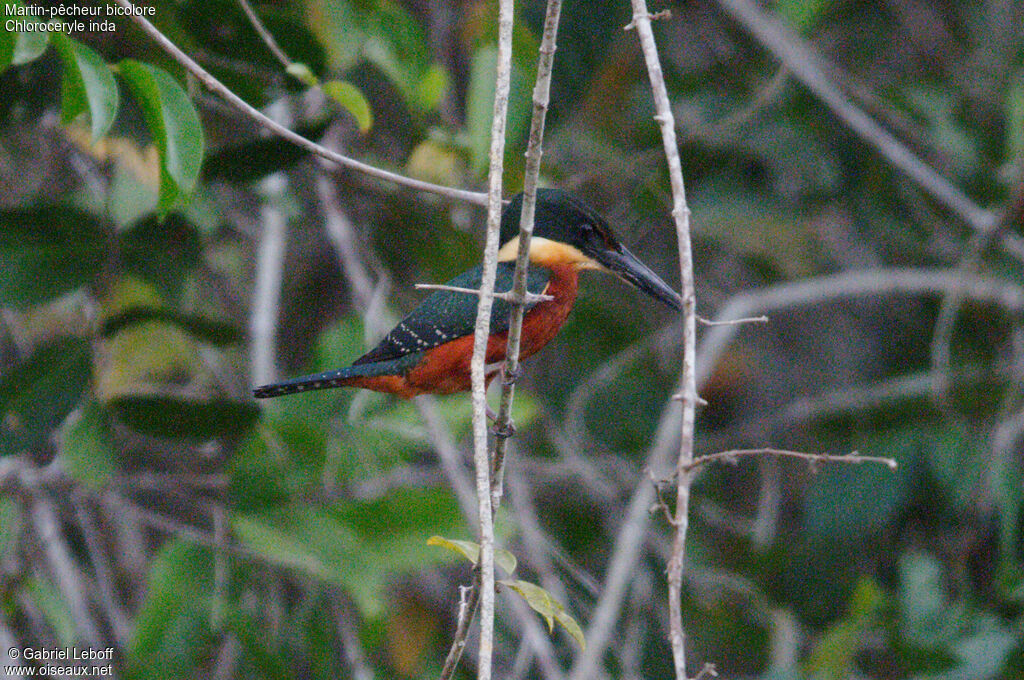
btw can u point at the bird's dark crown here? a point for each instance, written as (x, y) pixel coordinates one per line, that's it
(562, 217)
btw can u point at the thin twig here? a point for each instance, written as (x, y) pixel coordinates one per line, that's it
(468, 600)
(265, 35)
(732, 322)
(681, 215)
(511, 296)
(813, 458)
(481, 458)
(218, 88)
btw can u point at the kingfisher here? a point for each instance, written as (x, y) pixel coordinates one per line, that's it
(429, 351)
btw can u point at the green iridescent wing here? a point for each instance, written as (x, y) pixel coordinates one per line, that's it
(446, 315)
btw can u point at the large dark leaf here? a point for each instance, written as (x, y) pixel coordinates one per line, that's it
(37, 395)
(183, 418)
(48, 251)
(161, 251)
(208, 330)
(258, 158)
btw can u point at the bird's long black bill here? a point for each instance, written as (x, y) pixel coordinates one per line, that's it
(624, 264)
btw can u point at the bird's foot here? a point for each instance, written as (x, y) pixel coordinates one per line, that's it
(509, 430)
(511, 376)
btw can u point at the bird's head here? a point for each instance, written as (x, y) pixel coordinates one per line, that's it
(568, 232)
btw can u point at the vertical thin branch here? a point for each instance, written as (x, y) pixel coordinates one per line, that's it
(681, 214)
(534, 152)
(481, 335)
(267, 293)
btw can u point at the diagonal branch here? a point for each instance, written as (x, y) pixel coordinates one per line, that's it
(218, 88)
(812, 71)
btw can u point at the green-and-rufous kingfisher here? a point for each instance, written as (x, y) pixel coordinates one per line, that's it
(429, 351)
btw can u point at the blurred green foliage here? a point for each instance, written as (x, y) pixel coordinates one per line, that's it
(290, 540)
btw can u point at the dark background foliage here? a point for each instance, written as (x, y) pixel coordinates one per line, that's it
(146, 503)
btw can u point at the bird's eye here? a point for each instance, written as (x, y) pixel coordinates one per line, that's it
(588, 229)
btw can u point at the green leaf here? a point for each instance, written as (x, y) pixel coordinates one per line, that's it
(302, 73)
(161, 251)
(431, 87)
(471, 551)
(55, 610)
(21, 47)
(541, 602)
(352, 100)
(210, 331)
(38, 394)
(87, 85)
(10, 526)
(832, 657)
(359, 545)
(480, 106)
(172, 631)
(183, 418)
(175, 126)
(314, 542)
(385, 34)
(46, 252)
(270, 662)
(87, 452)
(1014, 120)
(258, 157)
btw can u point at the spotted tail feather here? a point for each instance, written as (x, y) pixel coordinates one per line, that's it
(342, 377)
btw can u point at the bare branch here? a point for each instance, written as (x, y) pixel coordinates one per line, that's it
(732, 322)
(98, 556)
(852, 284)
(469, 597)
(689, 396)
(218, 88)
(731, 457)
(508, 296)
(481, 458)
(265, 35)
(64, 571)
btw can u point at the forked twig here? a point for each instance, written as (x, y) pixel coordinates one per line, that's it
(731, 456)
